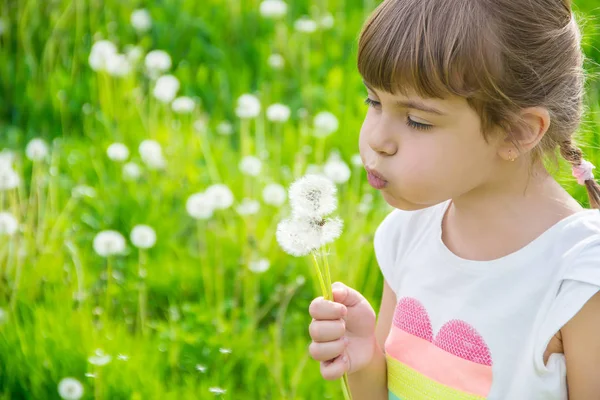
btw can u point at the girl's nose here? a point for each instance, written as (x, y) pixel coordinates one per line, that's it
(382, 139)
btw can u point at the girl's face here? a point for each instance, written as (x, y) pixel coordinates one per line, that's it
(426, 156)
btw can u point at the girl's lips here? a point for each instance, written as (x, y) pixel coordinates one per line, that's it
(375, 179)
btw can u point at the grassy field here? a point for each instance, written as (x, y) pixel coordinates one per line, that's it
(213, 307)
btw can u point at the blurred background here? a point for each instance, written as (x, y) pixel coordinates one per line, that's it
(146, 152)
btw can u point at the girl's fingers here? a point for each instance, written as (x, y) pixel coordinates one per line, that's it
(324, 309)
(332, 370)
(327, 350)
(326, 331)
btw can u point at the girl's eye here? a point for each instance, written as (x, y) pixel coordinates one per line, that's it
(409, 122)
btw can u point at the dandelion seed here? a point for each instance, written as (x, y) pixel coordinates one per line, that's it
(337, 170)
(224, 350)
(165, 88)
(248, 207)
(224, 128)
(325, 123)
(123, 357)
(90, 375)
(183, 105)
(276, 61)
(143, 236)
(278, 113)
(305, 25)
(250, 165)
(259, 266)
(199, 206)
(157, 61)
(8, 224)
(313, 196)
(131, 171)
(273, 9)
(70, 389)
(220, 195)
(274, 194)
(36, 149)
(141, 20)
(117, 152)
(108, 243)
(200, 367)
(99, 359)
(217, 390)
(248, 106)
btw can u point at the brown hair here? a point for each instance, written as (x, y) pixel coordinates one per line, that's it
(501, 55)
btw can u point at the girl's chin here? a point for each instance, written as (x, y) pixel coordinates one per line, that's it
(404, 204)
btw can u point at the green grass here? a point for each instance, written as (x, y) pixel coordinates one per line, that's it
(219, 51)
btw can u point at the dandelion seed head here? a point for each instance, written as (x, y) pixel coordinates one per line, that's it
(337, 170)
(134, 53)
(36, 149)
(276, 61)
(220, 195)
(109, 242)
(131, 171)
(118, 65)
(248, 207)
(141, 20)
(327, 21)
(250, 165)
(157, 61)
(313, 196)
(8, 224)
(248, 106)
(183, 105)
(199, 206)
(117, 152)
(331, 230)
(274, 194)
(259, 266)
(356, 160)
(224, 128)
(297, 237)
(224, 350)
(70, 389)
(278, 112)
(305, 25)
(101, 51)
(9, 179)
(143, 236)
(99, 358)
(151, 154)
(273, 9)
(166, 88)
(325, 123)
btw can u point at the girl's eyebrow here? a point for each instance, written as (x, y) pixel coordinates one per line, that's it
(417, 105)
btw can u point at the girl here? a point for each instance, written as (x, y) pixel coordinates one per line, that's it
(491, 269)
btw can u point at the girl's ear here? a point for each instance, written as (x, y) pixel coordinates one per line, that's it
(532, 127)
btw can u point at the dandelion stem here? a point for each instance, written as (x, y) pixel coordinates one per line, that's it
(206, 279)
(108, 276)
(319, 274)
(142, 291)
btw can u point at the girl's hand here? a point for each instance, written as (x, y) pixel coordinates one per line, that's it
(343, 332)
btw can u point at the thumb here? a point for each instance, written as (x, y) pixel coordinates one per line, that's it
(345, 294)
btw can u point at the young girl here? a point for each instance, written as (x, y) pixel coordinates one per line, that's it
(491, 269)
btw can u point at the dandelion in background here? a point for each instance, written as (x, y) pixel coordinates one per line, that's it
(248, 106)
(109, 243)
(217, 390)
(70, 389)
(259, 266)
(327, 21)
(117, 152)
(356, 160)
(325, 123)
(274, 194)
(131, 171)
(8, 224)
(200, 368)
(220, 196)
(9, 179)
(101, 52)
(143, 237)
(312, 197)
(157, 62)
(118, 65)
(276, 61)
(224, 128)
(224, 350)
(337, 170)
(81, 191)
(274, 9)
(134, 53)
(36, 150)
(305, 25)
(199, 206)
(183, 105)
(250, 165)
(141, 20)
(201, 124)
(151, 154)
(278, 113)
(165, 88)
(122, 357)
(248, 207)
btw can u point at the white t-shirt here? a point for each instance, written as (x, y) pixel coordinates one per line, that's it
(466, 329)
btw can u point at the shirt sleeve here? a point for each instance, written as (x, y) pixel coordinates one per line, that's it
(579, 283)
(386, 243)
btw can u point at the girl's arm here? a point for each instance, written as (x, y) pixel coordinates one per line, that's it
(581, 345)
(370, 383)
